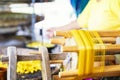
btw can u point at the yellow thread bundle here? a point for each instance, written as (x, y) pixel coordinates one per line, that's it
(86, 54)
(81, 55)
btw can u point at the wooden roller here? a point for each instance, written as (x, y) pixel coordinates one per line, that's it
(111, 33)
(113, 70)
(107, 38)
(101, 33)
(107, 48)
(62, 33)
(59, 33)
(60, 41)
(56, 77)
(107, 57)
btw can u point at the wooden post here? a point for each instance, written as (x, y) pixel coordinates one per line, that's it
(11, 72)
(46, 71)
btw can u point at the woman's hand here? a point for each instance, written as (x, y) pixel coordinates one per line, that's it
(50, 32)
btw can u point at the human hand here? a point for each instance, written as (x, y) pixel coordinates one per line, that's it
(50, 32)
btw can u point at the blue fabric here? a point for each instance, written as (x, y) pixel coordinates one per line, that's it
(78, 5)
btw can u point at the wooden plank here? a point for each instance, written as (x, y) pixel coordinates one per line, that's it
(56, 77)
(107, 58)
(106, 33)
(109, 71)
(108, 39)
(62, 33)
(109, 33)
(54, 58)
(4, 58)
(29, 57)
(11, 72)
(57, 56)
(60, 41)
(56, 61)
(107, 48)
(22, 58)
(46, 71)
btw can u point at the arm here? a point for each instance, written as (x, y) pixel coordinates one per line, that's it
(70, 26)
(81, 22)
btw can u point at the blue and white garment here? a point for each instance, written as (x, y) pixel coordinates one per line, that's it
(78, 5)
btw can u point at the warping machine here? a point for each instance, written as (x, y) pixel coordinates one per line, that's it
(90, 54)
(84, 54)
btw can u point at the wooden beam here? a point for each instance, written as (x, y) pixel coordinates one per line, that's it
(109, 33)
(11, 72)
(105, 33)
(107, 48)
(46, 71)
(109, 71)
(56, 77)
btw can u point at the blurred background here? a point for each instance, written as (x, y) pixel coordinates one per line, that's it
(23, 23)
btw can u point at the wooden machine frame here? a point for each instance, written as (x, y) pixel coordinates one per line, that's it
(19, 54)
